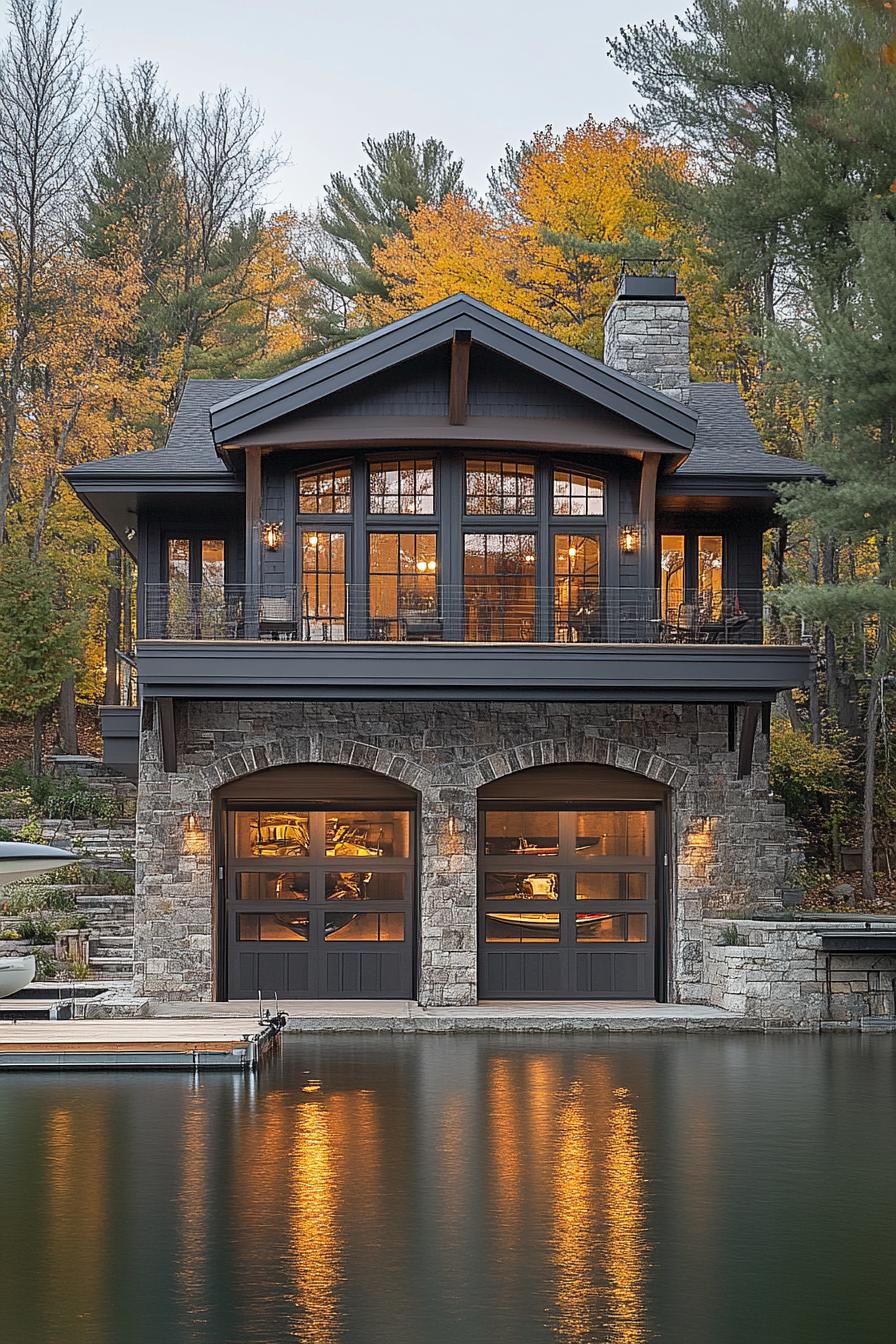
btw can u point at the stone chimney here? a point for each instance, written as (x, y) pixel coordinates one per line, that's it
(646, 334)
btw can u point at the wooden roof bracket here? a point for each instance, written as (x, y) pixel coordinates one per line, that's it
(459, 388)
(167, 733)
(748, 727)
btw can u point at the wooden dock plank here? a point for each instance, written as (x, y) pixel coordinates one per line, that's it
(143, 1037)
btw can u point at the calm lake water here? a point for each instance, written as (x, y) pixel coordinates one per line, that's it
(467, 1190)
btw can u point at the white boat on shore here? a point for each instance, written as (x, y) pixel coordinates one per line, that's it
(16, 973)
(18, 861)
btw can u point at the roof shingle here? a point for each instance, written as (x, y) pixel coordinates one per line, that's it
(726, 442)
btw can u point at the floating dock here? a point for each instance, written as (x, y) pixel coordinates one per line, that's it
(137, 1043)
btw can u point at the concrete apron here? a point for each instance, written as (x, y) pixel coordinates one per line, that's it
(407, 1016)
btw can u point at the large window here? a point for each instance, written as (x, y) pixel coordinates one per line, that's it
(577, 495)
(501, 488)
(403, 591)
(499, 585)
(455, 547)
(692, 577)
(576, 587)
(323, 599)
(709, 576)
(326, 491)
(672, 557)
(195, 599)
(405, 486)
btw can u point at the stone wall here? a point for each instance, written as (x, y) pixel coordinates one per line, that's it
(777, 971)
(729, 847)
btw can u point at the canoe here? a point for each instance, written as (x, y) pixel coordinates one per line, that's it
(18, 861)
(542, 919)
(15, 974)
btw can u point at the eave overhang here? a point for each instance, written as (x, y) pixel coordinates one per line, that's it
(249, 670)
(115, 499)
(247, 412)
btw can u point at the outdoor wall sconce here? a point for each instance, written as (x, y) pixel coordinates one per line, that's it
(629, 539)
(194, 840)
(272, 535)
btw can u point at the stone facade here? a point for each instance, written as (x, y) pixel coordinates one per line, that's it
(730, 844)
(777, 971)
(649, 340)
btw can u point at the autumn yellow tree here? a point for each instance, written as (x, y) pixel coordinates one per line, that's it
(547, 247)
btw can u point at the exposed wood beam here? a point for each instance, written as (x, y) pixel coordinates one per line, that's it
(647, 518)
(253, 507)
(458, 392)
(747, 739)
(167, 733)
(732, 727)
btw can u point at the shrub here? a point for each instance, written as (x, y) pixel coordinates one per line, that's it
(48, 796)
(818, 784)
(38, 928)
(9, 935)
(45, 965)
(28, 900)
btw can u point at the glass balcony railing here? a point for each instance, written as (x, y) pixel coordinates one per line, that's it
(484, 611)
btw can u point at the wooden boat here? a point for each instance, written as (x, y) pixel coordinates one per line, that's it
(16, 973)
(18, 861)
(542, 919)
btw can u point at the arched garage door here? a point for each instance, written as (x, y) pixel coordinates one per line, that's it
(568, 886)
(317, 885)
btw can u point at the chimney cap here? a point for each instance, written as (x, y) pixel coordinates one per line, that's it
(656, 284)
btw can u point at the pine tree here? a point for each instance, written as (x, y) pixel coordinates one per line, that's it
(848, 363)
(363, 210)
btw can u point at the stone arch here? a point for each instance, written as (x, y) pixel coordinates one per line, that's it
(314, 749)
(579, 749)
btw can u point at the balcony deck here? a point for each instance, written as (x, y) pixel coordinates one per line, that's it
(479, 643)
(260, 669)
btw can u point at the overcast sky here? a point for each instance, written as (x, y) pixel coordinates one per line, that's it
(477, 73)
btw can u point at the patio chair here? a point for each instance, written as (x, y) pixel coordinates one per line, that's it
(276, 619)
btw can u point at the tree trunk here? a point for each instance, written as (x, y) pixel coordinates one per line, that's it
(68, 721)
(868, 797)
(37, 744)
(113, 627)
(792, 711)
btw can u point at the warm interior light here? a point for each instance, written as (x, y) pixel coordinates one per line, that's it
(431, 566)
(571, 552)
(194, 840)
(421, 566)
(272, 535)
(312, 541)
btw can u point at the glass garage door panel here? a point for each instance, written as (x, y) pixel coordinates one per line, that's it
(567, 902)
(319, 902)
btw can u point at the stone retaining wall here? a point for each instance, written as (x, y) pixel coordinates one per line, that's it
(777, 971)
(730, 843)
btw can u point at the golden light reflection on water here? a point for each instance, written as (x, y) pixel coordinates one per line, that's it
(192, 1266)
(567, 1149)
(315, 1240)
(76, 1158)
(626, 1240)
(574, 1216)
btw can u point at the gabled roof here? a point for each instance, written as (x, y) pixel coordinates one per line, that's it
(301, 387)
